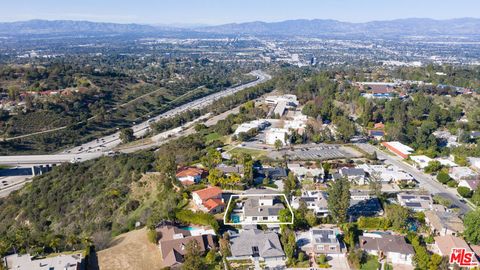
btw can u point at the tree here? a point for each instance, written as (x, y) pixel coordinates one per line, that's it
(290, 184)
(397, 216)
(126, 135)
(375, 186)
(289, 243)
(433, 166)
(476, 197)
(464, 192)
(167, 166)
(443, 177)
(215, 177)
(212, 158)
(278, 144)
(472, 223)
(311, 218)
(339, 200)
(193, 257)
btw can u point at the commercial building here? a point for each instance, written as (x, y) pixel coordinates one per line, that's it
(256, 124)
(398, 148)
(274, 134)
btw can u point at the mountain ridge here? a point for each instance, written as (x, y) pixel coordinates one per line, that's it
(298, 27)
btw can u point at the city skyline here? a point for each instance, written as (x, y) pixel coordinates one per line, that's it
(214, 12)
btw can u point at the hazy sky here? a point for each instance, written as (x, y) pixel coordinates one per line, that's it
(225, 11)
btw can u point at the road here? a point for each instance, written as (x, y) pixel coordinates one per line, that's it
(426, 181)
(101, 146)
(107, 143)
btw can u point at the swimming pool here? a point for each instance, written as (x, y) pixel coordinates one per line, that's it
(235, 218)
(188, 228)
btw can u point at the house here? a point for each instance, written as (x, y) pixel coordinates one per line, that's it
(325, 241)
(471, 184)
(209, 200)
(474, 163)
(392, 247)
(303, 172)
(386, 174)
(398, 148)
(474, 135)
(315, 200)
(462, 173)
(444, 244)
(376, 134)
(274, 134)
(28, 262)
(416, 202)
(251, 243)
(190, 175)
(370, 207)
(354, 175)
(446, 162)
(446, 138)
(359, 195)
(226, 169)
(421, 161)
(173, 242)
(262, 208)
(444, 223)
(274, 173)
(379, 125)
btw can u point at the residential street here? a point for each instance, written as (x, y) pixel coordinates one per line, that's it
(426, 181)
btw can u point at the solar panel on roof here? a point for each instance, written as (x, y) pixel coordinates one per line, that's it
(413, 204)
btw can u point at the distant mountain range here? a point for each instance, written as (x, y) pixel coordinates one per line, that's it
(307, 28)
(312, 28)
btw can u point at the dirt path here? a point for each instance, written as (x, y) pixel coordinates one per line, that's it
(130, 250)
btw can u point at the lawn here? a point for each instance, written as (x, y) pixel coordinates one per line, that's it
(212, 137)
(371, 264)
(253, 152)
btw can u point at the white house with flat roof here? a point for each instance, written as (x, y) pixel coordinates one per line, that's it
(421, 161)
(60, 262)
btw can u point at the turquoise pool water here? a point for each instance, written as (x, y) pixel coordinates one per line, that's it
(235, 218)
(188, 228)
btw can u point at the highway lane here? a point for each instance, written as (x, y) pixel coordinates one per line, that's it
(104, 145)
(107, 143)
(426, 181)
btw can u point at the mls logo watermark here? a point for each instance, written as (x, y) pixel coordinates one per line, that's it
(462, 257)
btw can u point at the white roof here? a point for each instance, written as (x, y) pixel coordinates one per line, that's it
(421, 160)
(25, 262)
(404, 149)
(447, 162)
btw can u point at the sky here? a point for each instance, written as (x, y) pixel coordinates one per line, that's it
(211, 12)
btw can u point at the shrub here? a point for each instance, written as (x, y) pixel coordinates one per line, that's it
(443, 177)
(188, 216)
(152, 236)
(464, 192)
(452, 183)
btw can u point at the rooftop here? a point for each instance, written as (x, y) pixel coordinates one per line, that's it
(207, 193)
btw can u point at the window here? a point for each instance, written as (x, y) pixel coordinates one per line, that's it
(320, 247)
(265, 218)
(333, 248)
(254, 218)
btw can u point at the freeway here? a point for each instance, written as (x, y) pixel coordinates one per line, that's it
(426, 181)
(104, 145)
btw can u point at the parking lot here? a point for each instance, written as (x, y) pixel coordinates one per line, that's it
(317, 152)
